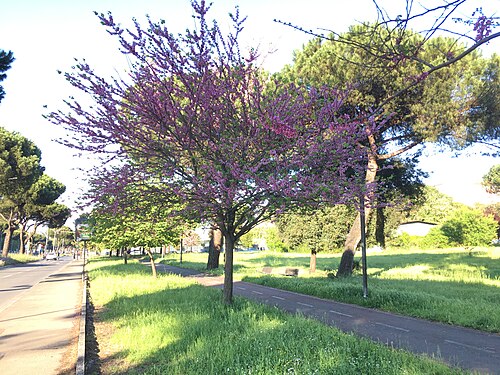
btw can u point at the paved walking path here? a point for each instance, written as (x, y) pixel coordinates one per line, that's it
(462, 347)
(39, 330)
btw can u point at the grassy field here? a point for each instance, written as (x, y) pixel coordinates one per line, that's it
(170, 325)
(448, 285)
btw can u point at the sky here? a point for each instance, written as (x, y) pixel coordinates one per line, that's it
(46, 36)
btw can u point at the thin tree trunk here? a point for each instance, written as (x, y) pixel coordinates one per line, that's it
(152, 262)
(354, 236)
(22, 248)
(312, 262)
(125, 255)
(30, 234)
(228, 269)
(214, 249)
(6, 242)
(380, 227)
(181, 249)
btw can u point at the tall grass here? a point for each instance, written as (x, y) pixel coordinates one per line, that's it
(448, 285)
(170, 325)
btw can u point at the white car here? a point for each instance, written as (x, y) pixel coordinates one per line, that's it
(51, 256)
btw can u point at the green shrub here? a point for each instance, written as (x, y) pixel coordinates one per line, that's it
(470, 228)
(274, 242)
(434, 239)
(402, 240)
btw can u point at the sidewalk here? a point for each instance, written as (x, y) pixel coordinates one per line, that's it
(462, 347)
(39, 332)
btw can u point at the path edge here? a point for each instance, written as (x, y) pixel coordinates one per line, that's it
(80, 363)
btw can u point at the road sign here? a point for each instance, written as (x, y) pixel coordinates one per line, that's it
(83, 232)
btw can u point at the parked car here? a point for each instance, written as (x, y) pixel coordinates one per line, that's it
(51, 256)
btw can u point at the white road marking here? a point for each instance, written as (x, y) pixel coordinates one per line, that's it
(12, 274)
(393, 327)
(469, 346)
(239, 287)
(280, 298)
(304, 304)
(253, 291)
(339, 313)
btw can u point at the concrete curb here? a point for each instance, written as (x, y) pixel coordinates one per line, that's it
(80, 363)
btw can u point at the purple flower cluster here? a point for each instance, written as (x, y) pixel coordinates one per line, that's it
(483, 27)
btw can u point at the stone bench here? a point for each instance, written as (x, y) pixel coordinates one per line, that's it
(267, 270)
(291, 272)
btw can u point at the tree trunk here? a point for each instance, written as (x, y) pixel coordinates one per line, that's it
(22, 249)
(312, 262)
(29, 238)
(125, 255)
(152, 262)
(354, 236)
(6, 242)
(228, 269)
(181, 249)
(214, 249)
(380, 227)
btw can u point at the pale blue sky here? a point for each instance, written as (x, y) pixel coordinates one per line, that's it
(45, 36)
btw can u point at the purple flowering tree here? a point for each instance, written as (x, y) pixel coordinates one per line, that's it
(196, 125)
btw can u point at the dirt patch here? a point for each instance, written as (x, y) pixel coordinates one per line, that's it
(92, 360)
(102, 356)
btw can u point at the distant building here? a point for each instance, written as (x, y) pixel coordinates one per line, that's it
(415, 228)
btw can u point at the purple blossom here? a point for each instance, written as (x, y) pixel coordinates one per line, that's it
(196, 125)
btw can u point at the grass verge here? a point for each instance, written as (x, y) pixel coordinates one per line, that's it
(451, 285)
(170, 325)
(14, 259)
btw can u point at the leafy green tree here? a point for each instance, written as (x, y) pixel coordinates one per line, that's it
(400, 187)
(470, 228)
(61, 237)
(6, 58)
(491, 180)
(273, 239)
(416, 89)
(432, 207)
(322, 230)
(41, 208)
(143, 223)
(19, 169)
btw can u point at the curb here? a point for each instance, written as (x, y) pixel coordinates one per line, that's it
(80, 363)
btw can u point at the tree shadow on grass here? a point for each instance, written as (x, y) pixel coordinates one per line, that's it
(435, 262)
(189, 330)
(473, 305)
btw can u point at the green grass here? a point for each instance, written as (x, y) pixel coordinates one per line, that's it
(449, 286)
(170, 325)
(13, 259)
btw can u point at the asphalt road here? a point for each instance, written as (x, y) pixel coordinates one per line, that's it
(16, 280)
(457, 346)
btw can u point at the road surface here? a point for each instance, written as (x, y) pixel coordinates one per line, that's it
(39, 317)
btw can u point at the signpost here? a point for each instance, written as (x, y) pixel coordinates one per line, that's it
(83, 233)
